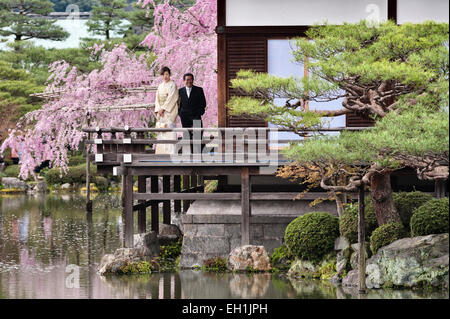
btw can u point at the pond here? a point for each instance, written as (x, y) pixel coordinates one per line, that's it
(50, 248)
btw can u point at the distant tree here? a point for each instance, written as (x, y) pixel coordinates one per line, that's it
(83, 5)
(16, 18)
(15, 87)
(107, 16)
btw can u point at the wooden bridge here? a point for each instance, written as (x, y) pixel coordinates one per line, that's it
(229, 151)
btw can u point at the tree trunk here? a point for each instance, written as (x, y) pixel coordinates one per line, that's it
(340, 201)
(383, 203)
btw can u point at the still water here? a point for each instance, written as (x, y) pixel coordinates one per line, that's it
(49, 248)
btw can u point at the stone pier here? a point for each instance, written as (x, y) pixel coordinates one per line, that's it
(213, 228)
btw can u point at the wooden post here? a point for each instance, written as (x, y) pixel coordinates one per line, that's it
(186, 203)
(166, 203)
(88, 172)
(245, 206)
(88, 178)
(142, 218)
(154, 188)
(193, 184)
(361, 241)
(177, 189)
(128, 229)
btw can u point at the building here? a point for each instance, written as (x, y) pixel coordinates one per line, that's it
(254, 34)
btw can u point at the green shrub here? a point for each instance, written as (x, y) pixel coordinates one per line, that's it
(101, 183)
(386, 234)
(217, 264)
(12, 171)
(76, 160)
(312, 236)
(348, 222)
(281, 257)
(139, 267)
(431, 218)
(406, 202)
(74, 175)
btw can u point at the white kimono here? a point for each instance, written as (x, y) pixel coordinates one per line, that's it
(167, 100)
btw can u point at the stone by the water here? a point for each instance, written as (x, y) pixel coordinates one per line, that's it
(302, 268)
(15, 183)
(411, 262)
(351, 280)
(249, 256)
(146, 246)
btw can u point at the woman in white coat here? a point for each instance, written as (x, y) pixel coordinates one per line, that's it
(166, 109)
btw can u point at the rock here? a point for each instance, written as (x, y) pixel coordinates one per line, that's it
(176, 220)
(145, 247)
(13, 182)
(354, 260)
(354, 255)
(167, 240)
(37, 188)
(41, 187)
(341, 262)
(249, 256)
(341, 243)
(351, 279)
(335, 280)
(355, 247)
(303, 268)
(411, 262)
(149, 241)
(66, 186)
(106, 264)
(169, 230)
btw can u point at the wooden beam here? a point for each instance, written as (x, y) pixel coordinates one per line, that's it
(245, 206)
(186, 171)
(128, 227)
(146, 204)
(187, 196)
(154, 190)
(142, 218)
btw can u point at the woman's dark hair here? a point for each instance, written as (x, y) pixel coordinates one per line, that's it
(164, 70)
(188, 74)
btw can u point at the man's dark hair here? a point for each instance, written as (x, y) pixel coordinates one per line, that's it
(165, 69)
(188, 74)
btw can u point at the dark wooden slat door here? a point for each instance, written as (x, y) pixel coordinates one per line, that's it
(245, 53)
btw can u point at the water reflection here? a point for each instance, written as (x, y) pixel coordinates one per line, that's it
(41, 236)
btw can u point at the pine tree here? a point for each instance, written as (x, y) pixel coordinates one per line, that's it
(388, 72)
(17, 18)
(107, 16)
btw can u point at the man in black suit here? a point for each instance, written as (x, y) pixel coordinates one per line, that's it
(192, 103)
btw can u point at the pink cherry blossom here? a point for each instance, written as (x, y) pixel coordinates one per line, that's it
(184, 41)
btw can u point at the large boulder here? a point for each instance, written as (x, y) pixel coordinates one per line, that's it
(168, 234)
(351, 280)
(14, 183)
(249, 257)
(145, 248)
(303, 268)
(410, 262)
